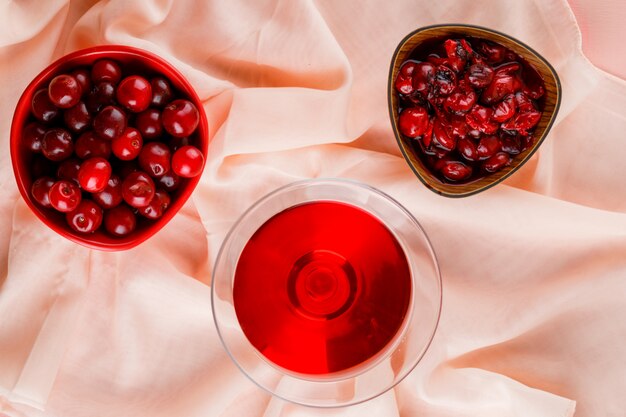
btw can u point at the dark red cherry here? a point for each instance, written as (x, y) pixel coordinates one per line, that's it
(413, 121)
(500, 87)
(68, 170)
(497, 162)
(175, 143)
(467, 149)
(120, 221)
(106, 70)
(138, 189)
(157, 206)
(100, 96)
(187, 161)
(57, 144)
(110, 123)
(180, 118)
(149, 124)
(86, 218)
(77, 118)
(64, 196)
(155, 158)
(43, 109)
(39, 191)
(94, 173)
(423, 76)
(479, 118)
(444, 81)
(89, 145)
(128, 145)
(134, 93)
(32, 136)
(404, 80)
(504, 110)
(161, 92)
(170, 181)
(111, 195)
(64, 91)
(442, 138)
(488, 146)
(460, 101)
(83, 77)
(479, 75)
(456, 171)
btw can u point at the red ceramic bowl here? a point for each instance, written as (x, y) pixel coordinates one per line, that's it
(134, 61)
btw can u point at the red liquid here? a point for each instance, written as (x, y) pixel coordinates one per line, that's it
(321, 287)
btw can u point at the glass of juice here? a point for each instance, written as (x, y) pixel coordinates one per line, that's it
(326, 292)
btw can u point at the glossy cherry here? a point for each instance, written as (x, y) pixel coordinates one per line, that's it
(170, 181)
(68, 170)
(149, 124)
(106, 70)
(83, 77)
(180, 118)
(187, 161)
(89, 145)
(157, 206)
(57, 144)
(138, 189)
(40, 189)
(100, 96)
(94, 173)
(162, 92)
(43, 109)
(456, 171)
(128, 145)
(64, 91)
(154, 158)
(110, 123)
(86, 218)
(64, 196)
(77, 118)
(120, 221)
(497, 162)
(111, 194)
(413, 121)
(134, 93)
(32, 136)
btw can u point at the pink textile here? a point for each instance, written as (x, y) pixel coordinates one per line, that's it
(534, 272)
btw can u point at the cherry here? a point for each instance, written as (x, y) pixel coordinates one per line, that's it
(497, 162)
(441, 137)
(89, 145)
(111, 194)
(94, 173)
(149, 124)
(64, 91)
(187, 161)
(467, 149)
(180, 118)
(479, 75)
(110, 123)
(57, 144)
(32, 136)
(504, 110)
(77, 118)
(84, 79)
(404, 81)
(157, 206)
(424, 74)
(170, 181)
(43, 109)
(460, 101)
(523, 122)
(39, 191)
(479, 118)
(100, 96)
(445, 80)
(138, 189)
(488, 146)
(511, 144)
(493, 53)
(68, 170)
(120, 221)
(500, 87)
(128, 145)
(456, 171)
(413, 121)
(86, 218)
(64, 196)
(134, 93)
(176, 143)
(106, 70)
(161, 92)
(155, 158)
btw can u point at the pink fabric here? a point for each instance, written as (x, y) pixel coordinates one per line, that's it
(534, 271)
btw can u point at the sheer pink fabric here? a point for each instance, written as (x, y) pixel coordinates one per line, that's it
(534, 270)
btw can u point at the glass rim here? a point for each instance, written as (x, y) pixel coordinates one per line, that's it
(376, 359)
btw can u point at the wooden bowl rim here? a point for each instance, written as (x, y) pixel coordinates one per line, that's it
(398, 137)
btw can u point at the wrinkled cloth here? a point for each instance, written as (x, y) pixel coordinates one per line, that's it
(534, 272)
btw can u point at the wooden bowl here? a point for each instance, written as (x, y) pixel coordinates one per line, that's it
(552, 102)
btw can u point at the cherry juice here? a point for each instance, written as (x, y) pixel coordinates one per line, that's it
(321, 287)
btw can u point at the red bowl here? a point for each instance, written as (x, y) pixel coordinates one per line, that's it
(133, 60)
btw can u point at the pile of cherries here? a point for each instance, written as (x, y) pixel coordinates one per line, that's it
(470, 106)
(114, 147)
